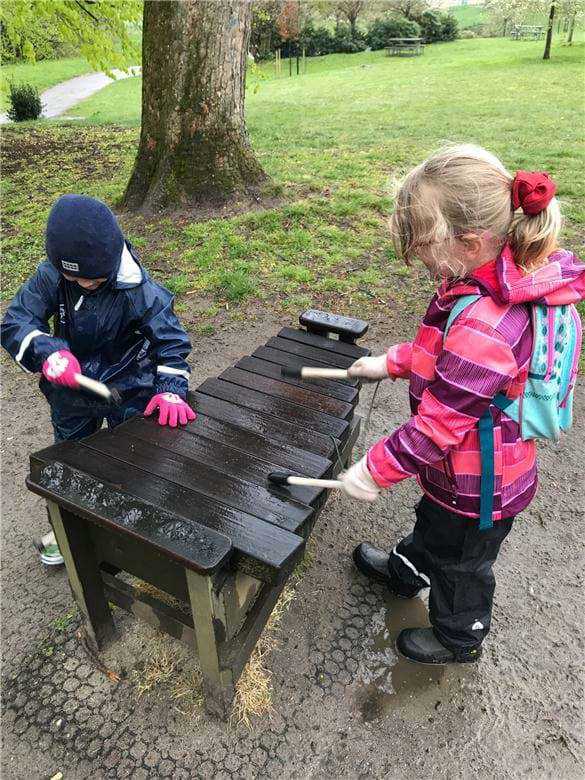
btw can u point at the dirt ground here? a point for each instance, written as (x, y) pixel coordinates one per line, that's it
(344, 705)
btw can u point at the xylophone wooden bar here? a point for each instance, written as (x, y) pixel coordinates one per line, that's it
(191, 510)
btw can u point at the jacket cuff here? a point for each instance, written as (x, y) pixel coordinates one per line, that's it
(383, 467)
(39, 350)
(171, 384)
(398, 360)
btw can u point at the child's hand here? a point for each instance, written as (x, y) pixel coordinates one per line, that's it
(358, 482)
(372, 368)
(172, 409)
(60, 368)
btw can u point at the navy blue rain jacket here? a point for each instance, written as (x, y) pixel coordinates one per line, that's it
(125, 333)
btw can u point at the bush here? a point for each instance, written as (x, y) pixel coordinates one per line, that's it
(467, 34)
(25, 102)
(344, 43)
(317, 40)
(438, 27)
(450, 27)
(394, 27)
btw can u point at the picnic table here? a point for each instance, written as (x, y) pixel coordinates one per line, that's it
(409, 46)
(190, 510)
(526, 32)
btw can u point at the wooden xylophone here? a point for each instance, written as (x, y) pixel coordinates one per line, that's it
(191, 511)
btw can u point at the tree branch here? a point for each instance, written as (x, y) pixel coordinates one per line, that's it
(89, 13)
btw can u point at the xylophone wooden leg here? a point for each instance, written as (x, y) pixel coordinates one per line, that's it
(209, 621)
(85, 579)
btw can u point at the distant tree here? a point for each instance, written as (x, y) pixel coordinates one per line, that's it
(98, 30)
(517, 11)
(264, 37)
(411, 9)
(351, 10)
(549, 31)
(289, 21)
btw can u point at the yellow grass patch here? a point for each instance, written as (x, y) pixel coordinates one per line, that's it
(171, 664)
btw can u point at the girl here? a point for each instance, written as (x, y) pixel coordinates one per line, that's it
(493, 237)
(111, 322)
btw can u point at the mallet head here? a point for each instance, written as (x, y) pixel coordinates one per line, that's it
(279, 477)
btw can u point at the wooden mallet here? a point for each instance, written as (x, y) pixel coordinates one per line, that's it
(309, 372)
(286, 478)
(98, 388)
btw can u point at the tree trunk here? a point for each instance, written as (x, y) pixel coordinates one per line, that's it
(549, 32)
(194, 147)
(571, 29)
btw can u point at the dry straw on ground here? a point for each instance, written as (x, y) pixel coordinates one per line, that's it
(171, 668)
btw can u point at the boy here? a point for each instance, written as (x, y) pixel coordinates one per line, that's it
(111, 322)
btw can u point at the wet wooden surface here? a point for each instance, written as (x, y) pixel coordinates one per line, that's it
(326, 387)
(282, 358)
(211, 475)
(302, 396)
(309, 353)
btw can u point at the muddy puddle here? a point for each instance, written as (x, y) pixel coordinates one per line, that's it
(387, 681)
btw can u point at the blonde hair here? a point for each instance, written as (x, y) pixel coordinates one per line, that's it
(466, 189)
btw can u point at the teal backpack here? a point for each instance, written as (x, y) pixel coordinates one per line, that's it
(545, 407)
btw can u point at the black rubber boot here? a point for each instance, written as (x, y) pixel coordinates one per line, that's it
(422, 646)
(373, 563)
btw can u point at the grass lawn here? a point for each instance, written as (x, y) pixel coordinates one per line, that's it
(331, 140)
(42, 74)
(467, 15)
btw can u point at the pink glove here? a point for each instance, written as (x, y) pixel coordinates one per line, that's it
(172, 409)
(60, 368)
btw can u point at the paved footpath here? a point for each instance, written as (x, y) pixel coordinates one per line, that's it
(345, 706)
(59, 99)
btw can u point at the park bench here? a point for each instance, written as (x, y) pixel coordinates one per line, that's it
(400, 46)
(190, 510)
(526, 32)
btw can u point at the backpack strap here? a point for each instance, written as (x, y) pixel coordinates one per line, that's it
(486, 434)
(460, 304)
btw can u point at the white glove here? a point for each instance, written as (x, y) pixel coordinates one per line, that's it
(372, 368)
(358, 482)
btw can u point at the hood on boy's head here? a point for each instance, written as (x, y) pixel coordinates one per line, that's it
(83, 237)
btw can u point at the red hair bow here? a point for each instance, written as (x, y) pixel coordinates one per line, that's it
(532, 191)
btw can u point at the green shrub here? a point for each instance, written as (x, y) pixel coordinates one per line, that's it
(346, 43)
(467, 34)
(450, 27)
(25, 102)
(317, 40)
(394, 27)
(438, 27)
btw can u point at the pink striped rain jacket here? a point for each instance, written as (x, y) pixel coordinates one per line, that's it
(453, 381)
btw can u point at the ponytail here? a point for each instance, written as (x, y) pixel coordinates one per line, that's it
(536, 222)
(533, 237)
